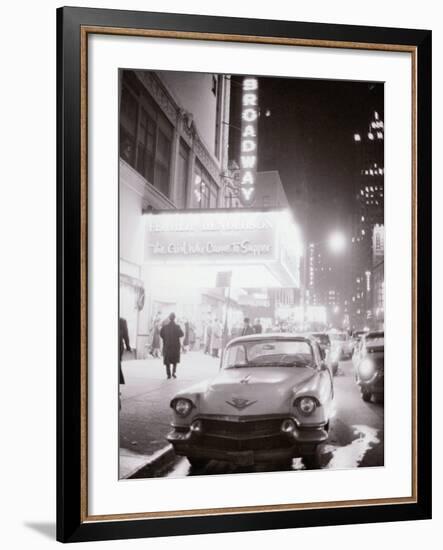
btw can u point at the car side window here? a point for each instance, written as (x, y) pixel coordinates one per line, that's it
(236, 355)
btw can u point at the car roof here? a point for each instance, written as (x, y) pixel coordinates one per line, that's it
(272, 336)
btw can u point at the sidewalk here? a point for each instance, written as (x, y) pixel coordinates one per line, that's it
(145, 414)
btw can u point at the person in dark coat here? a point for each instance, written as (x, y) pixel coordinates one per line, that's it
(123, 343)
(171, 334)
(247, 327)
(258, 329)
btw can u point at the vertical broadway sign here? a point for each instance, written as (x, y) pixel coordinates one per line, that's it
(248, 147)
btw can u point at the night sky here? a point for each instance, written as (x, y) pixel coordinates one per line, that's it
(308, 138)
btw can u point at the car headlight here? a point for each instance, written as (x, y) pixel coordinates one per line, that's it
(366, 368)
(182, 406)
(306, 405)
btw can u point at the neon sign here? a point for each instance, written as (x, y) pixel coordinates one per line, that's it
(248, 146)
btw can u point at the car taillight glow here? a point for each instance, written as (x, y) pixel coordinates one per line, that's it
(366, 368)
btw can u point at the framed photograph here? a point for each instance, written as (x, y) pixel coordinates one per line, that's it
(244, 230)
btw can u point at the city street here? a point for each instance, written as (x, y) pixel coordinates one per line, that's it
(356, 435)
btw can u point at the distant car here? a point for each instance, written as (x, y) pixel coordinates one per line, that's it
(325, 344)
(270, 402)
(341, 345)
(370, 367)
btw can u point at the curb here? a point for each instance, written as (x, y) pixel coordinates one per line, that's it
(154, 464)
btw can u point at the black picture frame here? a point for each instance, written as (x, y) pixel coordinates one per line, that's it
(72, 522)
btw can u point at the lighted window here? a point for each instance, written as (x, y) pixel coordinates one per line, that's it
(205, 191)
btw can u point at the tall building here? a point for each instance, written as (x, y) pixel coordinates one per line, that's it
(173, 155)
(369, 197)
(321, 289)
(378, 277)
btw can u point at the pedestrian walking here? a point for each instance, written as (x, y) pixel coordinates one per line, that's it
(258, 329)
(156, 343)
(192, 336)
(216, 341)
(208, 338)
(247, 327)
(171, 333)
(123, 335)
(186, 338)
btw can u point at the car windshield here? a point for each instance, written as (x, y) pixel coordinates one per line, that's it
(322, 339)
(265, 353)
(374, 335)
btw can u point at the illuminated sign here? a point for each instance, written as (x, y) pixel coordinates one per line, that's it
(216, 239)
(209, 237)
(248, 145)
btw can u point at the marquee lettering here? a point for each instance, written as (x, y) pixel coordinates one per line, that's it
(248, 144)
(247, 161)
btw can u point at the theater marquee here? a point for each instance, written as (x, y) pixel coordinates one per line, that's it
(234, 238)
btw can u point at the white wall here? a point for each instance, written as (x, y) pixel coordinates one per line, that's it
(202, 104)
(27, 217)
(131, 223)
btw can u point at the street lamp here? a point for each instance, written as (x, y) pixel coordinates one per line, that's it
(337, 242)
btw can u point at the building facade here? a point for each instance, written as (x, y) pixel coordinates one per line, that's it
(173, 155)
(321, 292)
(369, 197)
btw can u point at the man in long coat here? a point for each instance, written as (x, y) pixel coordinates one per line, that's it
(171, 334)
(247, 327)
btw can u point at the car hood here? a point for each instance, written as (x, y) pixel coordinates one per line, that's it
(254, 391)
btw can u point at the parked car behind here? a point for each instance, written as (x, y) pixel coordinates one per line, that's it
(271, 401)
(370, 367)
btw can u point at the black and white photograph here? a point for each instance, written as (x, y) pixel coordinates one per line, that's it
(251, 274)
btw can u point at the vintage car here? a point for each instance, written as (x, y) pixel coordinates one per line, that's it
(271, 401)
(370, 366)
(341, 345)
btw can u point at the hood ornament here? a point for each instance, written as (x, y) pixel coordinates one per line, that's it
(246, 379)
(239, 403)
